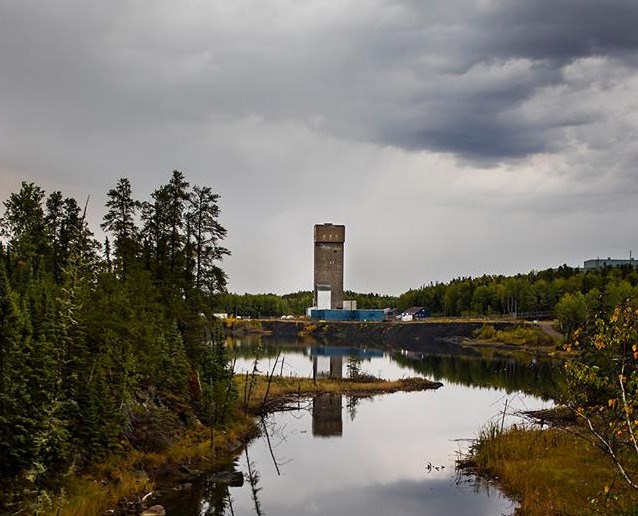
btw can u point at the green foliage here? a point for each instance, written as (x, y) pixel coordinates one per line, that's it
(272, 305)
(521, 334)
(99, 354)
(572, 312)
(550, 291)
(603, 380)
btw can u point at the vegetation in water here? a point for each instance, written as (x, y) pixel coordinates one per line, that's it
(271, 391)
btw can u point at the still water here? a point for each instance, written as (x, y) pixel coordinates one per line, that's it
(388, 454)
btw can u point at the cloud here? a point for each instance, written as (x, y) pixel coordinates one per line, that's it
(393, 73)
(439, 125)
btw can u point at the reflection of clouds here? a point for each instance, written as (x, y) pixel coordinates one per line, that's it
(384, 450)
(297, 362)
(403, 497)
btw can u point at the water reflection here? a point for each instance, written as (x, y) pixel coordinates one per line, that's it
(378, 465)
(391, 454)
(326, 415)
(253, 480)
(334, 367)
(542, 378)
(303, 358)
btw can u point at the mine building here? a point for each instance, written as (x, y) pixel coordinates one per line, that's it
(329, 305)
(328, 283)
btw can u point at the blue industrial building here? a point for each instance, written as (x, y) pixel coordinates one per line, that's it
(347, 315)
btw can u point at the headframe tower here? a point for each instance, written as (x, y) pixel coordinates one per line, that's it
(328, 284)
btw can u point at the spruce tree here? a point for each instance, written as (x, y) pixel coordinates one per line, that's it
(120, 221)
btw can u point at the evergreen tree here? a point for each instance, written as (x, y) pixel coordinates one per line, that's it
(23, 222)
(54, 222)
(207, 233)
(120, 221)
(86, 347)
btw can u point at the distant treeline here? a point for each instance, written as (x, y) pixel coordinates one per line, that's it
(105, 347)
(571, 295)
(273, 305)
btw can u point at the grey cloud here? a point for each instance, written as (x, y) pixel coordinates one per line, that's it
(561, 30)
(400, 73)
(309, 111)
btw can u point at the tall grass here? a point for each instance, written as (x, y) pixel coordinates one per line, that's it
(552, 472)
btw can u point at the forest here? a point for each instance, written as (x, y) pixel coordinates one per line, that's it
(574, 297)
(111, 346)
(106, 346)
(570, 295)
(273, 305)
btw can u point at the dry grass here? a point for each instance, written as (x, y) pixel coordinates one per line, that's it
(553, 472)
(286, 386)
(521, 335)
(130, 476)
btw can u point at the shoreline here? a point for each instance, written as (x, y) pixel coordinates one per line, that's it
(118, 485)
(535, 466)
(433, 335)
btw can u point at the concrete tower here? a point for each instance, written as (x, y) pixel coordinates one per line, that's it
(328, 285)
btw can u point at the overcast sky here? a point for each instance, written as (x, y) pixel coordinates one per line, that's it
(452, 138)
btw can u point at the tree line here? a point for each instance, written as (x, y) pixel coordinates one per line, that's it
(105, 346)
(570, 294)
(295, 303)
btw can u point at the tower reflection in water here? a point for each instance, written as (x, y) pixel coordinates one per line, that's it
(327, 409)
(327, 420)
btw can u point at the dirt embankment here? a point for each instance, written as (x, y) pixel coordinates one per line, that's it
(439, 337)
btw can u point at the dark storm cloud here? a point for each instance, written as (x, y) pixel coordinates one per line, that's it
(476, 121)
(561, 30)
(478, 106)
(416, 75)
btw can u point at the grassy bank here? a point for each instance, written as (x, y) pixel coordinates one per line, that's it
(266, 395)
(553, 471)
(132, 474)
(525, 338)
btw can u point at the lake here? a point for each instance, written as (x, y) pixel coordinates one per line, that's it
(387, 454)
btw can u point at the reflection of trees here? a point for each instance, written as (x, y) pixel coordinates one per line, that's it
(248, 346)
(542, 378)
(253, 480)
(215, 499)
(354, 367)
(351, 405)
